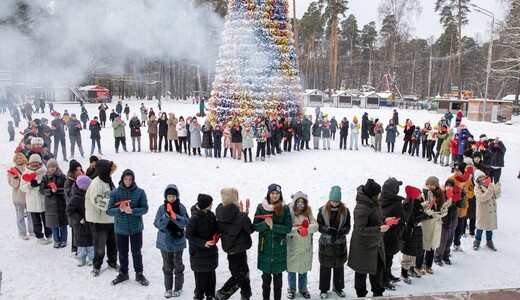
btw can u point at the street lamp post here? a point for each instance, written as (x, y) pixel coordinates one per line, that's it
(490, 52)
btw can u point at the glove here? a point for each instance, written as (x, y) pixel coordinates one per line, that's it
(170, 211)
(332, 231)
(34, 183)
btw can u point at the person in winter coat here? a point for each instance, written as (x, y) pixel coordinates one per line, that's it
(436, 207)
(273, 223)
(262, 134)
(135, 132)
(207, 138)
(333, 127)
(83, 239)
(128, 225)
(151, 113)
(172, 132)
(103, 114)
(371, 125)
(334, 225)
(127, 111)
(247, 141)
(467, 192)
(58, 131)
(14, 177)
(486, 194)
(96, 205)
(95, 135)
(227, 139)
(316, 133)
(415, 141)
(408, 131)
(195, 136)
(496, 152)
(367, 249)
(392, 206)
(378, 132)
(391, 134)
(119, 133)
(217, 141)
(152, 133)
(364, 129)
(445, 148)
(112, 116)
(182, 133)
(354, 133)
(325, 134)
(30, 185)
(412, 239)
(84, 117)
(343, 133)
(45, 132)
(424, 138)
(287, 134)
(236, 140)
(144, 114)
(306, 133)
(51, 187)
(298, 132)
(395, 117)
(299, 245)
(458, 118)
(235, 230)
(74, 126)
(454, 148)
(163, 131)
(171, 220)
(119, 107)
(200, 233)
(442, 134)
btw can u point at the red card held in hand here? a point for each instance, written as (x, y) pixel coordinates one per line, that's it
(123, 202)
(264, 216)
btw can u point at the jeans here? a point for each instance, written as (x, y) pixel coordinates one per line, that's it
(489, 235)
(495, 174)
(120, 140)
(57, 141)
(104, 237)
(461, 228)
(297, 141)
(138, 139)
(173, 265)
(207, 152)
(378, 142)
(59, 234)
(161, 138)
(260, 149)
(136, 243)
(443, 251)
(217, 151)
(426, 259)
(84, 253)
(93, 147)
(21, 213)
(316, 142)
(39, 224)
(302, 281)
(326, 143)
(353, 139)
(75, 139)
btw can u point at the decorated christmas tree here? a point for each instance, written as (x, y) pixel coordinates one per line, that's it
(256, 73)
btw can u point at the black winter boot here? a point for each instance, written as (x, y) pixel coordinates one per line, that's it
(139, 277)
(120, 278)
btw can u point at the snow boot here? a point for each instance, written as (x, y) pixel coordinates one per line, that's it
(491, 246)
(404, 276)
(139, 277)
(388, 286)
(113, 265)
(393, 279)
(416, 272)
(120, 278)
(340, 293)
(476, 245)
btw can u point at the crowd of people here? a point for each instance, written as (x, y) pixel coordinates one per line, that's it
(107, 219)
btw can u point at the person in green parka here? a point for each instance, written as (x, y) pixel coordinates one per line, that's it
(306, 134)
(445, 149)
(273, 222)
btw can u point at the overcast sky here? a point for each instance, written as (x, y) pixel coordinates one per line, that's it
(428, 22)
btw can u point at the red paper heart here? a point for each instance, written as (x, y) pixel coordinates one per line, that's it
(28, 177)
(412, 192)
(13, 171)
(303, 231)
(305, 223)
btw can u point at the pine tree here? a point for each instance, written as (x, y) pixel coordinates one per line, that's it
(256, 71)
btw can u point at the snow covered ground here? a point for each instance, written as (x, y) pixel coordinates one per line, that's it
(32, 270)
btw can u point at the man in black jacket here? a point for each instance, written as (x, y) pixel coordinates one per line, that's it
(58, 131)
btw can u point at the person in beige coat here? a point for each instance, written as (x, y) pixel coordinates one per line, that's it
(436, 206)
(299, 244)
(486, 195)
(34, 200)
(14, 176)
(172, 133)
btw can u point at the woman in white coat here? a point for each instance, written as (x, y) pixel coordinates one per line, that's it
(486, 195)
(30, 184)
(299, 244)
(14, 177)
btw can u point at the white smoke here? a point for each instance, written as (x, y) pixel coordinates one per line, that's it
(67, 39)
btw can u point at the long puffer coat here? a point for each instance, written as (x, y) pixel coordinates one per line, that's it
(333, 251)
(170, 234)
(392, 207)
(366, 243)
(76, 212)
(272, 244)
(412, 238)
(195, 138)
(55, 203)
(299, 249)
(201, 228)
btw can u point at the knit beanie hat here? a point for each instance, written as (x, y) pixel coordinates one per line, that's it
(52, 163)
(35, 158)
(391, 186)
(36, 141)
(93, 158)
(335, 194)
(432, 180)
(203, 201)
(483, 137)
(300, 195)
(477, 174)
(371, 188)
(461, 167)
(171, 192)
(477, 154)
(229, 196)
(83, 182)
(274, 187)
(73, 165)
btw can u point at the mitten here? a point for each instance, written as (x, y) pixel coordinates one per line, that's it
(170, 210)
(34, 183)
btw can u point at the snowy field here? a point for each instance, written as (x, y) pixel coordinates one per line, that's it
(30, 269)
